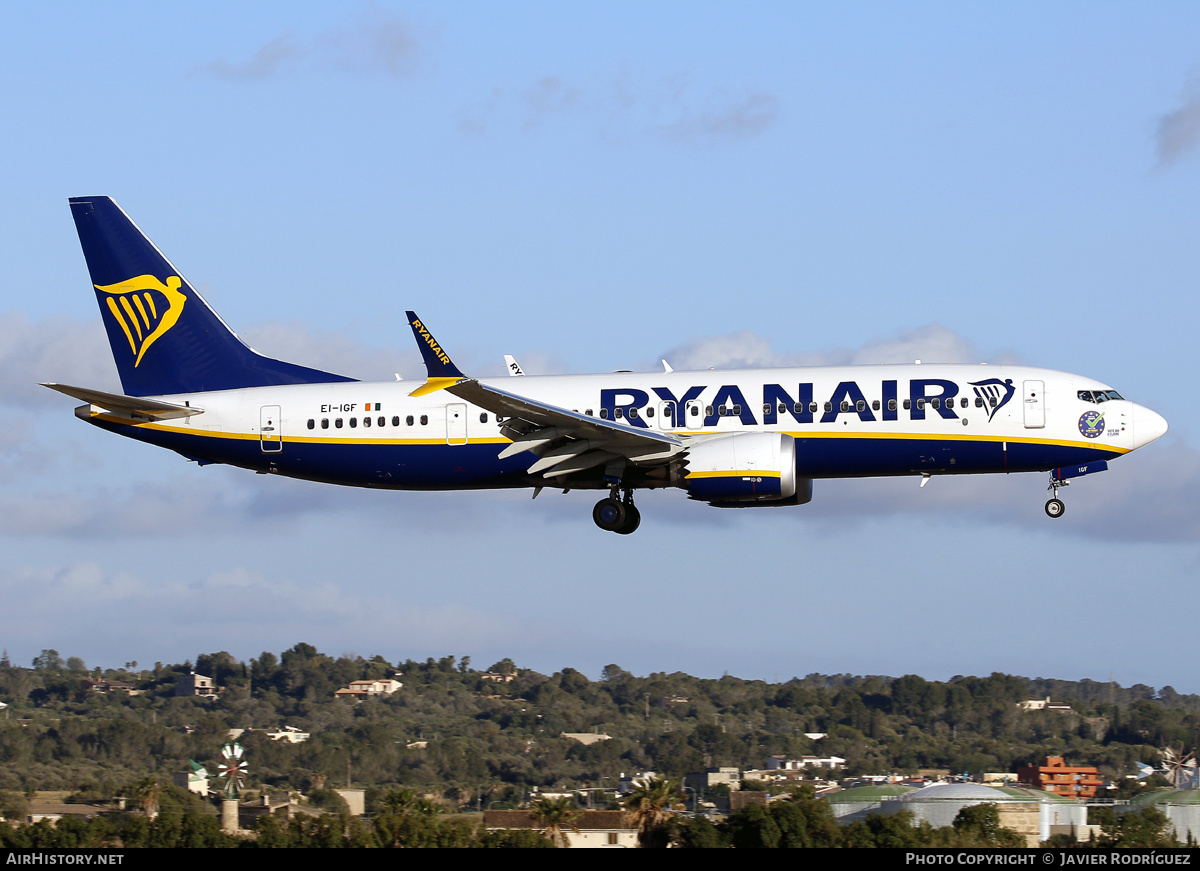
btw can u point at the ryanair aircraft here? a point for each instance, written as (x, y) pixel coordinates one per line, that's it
(733, 439)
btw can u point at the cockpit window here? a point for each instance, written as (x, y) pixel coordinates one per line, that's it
(1098, 395)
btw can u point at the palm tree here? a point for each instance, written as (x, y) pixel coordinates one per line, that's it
(554, 816)
(651, 805)
(148, 793)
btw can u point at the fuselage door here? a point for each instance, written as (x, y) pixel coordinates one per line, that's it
(456, 424)
(269, 434)
(1035, 404)
(693, 417)
(666, 416)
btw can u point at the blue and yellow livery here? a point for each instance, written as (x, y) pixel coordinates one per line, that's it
(731, 439)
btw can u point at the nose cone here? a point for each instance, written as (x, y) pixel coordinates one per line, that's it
(1147, 426)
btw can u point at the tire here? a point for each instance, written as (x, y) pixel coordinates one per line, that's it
(1055, 508)
(609, 515)
(633, 519)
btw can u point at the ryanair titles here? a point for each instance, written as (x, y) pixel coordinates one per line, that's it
(429, 340)
(924, 396)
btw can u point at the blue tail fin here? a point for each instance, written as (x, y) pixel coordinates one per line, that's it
(164, 337)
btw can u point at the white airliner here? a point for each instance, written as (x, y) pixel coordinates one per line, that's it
(755, 437)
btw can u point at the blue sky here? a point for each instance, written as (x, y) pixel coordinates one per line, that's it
(593, 188)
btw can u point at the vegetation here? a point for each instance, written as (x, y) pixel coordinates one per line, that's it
(458, 739)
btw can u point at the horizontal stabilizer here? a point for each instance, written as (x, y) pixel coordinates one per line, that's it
(134, 407)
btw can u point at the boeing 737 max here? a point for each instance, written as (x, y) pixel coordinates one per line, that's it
(756, 437)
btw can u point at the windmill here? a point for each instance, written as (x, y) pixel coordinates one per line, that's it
(232, 768)
(1180, 768)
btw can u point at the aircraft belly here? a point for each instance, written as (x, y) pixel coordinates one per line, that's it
(850, 457)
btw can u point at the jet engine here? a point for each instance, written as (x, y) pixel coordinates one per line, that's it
(744, 470)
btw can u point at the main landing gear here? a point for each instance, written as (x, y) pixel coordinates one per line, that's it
(617, 515)
(1055, 506)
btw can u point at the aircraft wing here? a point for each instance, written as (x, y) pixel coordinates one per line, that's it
(134, 407)
(564, 441)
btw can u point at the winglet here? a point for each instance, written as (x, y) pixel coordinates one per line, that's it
(440, 371)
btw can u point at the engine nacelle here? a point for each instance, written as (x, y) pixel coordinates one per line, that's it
(745, 469)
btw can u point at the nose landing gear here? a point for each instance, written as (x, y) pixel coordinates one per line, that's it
(616, 515)
(1055, 506)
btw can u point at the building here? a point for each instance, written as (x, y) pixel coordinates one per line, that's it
(587, 738)
(366, 689)
(1044, 705)
(596, 828)
(1031, 813)
(1069, 781)
(196, 685)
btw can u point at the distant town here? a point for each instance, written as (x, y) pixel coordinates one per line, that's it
(306, 749)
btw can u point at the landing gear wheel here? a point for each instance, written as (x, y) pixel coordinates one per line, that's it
(610, 515)
(633, 519)
(1055, 508)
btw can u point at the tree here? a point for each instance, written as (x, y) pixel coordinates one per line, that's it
(651, 806)
(1144, 828)
(554, 816)
(148, 793)
(48, 660)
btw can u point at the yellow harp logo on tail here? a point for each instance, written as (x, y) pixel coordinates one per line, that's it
(143, 318)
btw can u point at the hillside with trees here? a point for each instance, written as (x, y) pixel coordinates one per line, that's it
(476, 742)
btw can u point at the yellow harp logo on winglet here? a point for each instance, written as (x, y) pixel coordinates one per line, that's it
(142, 317)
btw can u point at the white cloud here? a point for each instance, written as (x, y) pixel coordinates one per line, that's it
(58, 349)
(1178, 131)
(123, 615)
(382, 43)
(931, 343)
(671, 108)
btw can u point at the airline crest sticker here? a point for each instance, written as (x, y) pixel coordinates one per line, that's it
(1091, 424)
(145, 309)
(989, 391)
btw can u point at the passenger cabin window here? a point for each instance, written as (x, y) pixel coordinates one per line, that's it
(812, 408)
(483, 417)
(424, 419)
(366, 421)
(737, 409)
(935, 402)
(353, 422)
(312, 424)
(382, 420)
(798, 408)
(588, 412)
(875, 405)
(907, 404)
(338, 423)
(649, 411)
(963, 403)
(324, 423)
(892, 405)
(979, 402)
(921, 402)
(845, 406)
(632, 413)
(409, 420)
(829, 406)
(695, 411)
(604, 414)
(708, 410)
(396, 420)
(618, 413)
(861, 405)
